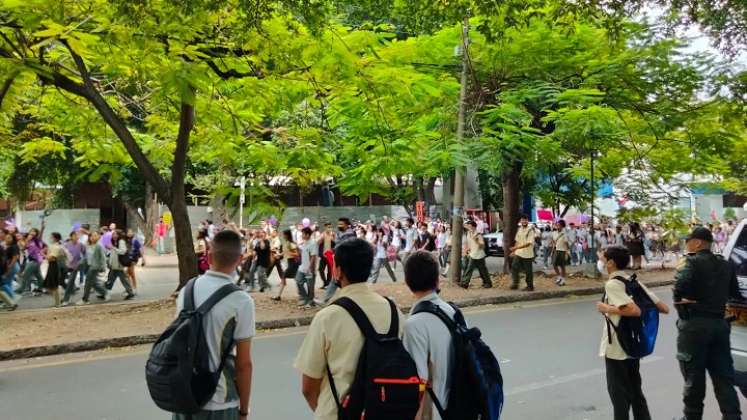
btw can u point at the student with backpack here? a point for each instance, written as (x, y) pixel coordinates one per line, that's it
(631, 322)
(201, 366)
(463, 376)
(352, 359)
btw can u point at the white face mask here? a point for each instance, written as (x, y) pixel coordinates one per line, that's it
(602, 267)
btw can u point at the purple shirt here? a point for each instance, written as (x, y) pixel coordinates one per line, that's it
(34, 249)
(75, 250)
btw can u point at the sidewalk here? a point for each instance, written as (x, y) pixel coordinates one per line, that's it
(51, 331)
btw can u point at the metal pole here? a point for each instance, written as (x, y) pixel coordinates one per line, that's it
(592, 269)
(455, 272)
(242, 198)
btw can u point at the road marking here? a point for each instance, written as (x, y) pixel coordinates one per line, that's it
(536, 386)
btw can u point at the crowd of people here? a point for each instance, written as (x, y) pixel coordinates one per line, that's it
(331, 359)
(92, 260)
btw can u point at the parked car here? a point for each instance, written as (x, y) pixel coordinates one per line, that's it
(494, 242)
(736, 253)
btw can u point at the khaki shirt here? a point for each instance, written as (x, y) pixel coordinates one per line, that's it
(615, 295)
(476, 252)
(561, 241)
(334, 339)
(525, 235)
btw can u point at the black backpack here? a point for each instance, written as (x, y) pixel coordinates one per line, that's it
(636, 335)
(386, 384)
(178, 367)
(476, 390)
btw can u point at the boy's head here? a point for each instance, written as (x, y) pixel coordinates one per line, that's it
(421, 272)
(616, 258)
(353, 261)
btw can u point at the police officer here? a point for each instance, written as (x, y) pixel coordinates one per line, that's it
(704, 283)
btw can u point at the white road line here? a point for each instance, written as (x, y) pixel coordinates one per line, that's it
(536, 386)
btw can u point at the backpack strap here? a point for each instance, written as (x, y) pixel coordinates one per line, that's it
(363, 322)
(216, 297)
(189, 295)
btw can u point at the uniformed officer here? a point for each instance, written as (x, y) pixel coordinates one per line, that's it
(704, 283)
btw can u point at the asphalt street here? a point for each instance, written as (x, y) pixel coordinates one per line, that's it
(548, 352)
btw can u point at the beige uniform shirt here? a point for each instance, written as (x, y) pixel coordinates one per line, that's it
(615, 295)
(334, 339)
(561, 241)
(476, 252)
(525, 235)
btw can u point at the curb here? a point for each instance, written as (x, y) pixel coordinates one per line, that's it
(81, 346)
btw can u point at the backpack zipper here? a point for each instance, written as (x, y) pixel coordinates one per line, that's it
(409, 381)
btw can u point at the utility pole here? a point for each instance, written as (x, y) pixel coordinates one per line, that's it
(455, 272)
(242, 199)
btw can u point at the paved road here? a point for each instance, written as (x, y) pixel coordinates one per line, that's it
(159, 278)
(548, 352)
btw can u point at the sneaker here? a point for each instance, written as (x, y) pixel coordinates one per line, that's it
(528, 289)
(82, 303)
(108, 296)
(557, 280)
(65, 304)
(561, 281)
(130, 296)
(276, 298)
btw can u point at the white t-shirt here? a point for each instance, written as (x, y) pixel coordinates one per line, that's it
(238, 308)
(308, 249)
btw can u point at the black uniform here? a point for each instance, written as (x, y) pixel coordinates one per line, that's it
(703, 339)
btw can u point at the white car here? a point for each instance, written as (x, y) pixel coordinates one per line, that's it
(736, 253)
(494, 242)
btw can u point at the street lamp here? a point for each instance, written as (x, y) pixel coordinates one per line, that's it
(241, 183)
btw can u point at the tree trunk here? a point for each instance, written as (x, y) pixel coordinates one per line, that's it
(184, 245)
(178, 200)
(511, 184)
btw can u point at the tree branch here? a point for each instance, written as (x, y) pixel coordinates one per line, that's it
(233, 73)
(6, 87)
(178, 168)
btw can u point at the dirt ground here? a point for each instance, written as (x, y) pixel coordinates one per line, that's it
(32, 328)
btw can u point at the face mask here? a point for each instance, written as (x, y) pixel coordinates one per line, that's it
(602, 267)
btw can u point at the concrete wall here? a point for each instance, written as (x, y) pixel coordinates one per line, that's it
(60, 220)
(293, 215)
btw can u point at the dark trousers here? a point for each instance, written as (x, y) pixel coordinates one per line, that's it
(325, 271)
(481, 268)
(624, 387)
(703, 345)
(525, 266)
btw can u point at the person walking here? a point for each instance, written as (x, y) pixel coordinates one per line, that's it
(116, 268)
(476, 255)
(162, 229)
(55, 267)
(262, 256)
(229, 328)
(135, 252)
(201, 250)
(326, 245)
(306, 273)
(76, 254)
(35, 250)
(704, 282)
(634, 241)
(381, 259)
(522, 255)
(560, 253)
(276, 255)
(345, 232)
(96, 263)
(11, 255)
(292, 260)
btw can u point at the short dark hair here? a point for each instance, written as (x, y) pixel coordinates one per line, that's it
(225, 248)
(306, 231)
(561, 222)
(471, 223)
(523, 216)
(355, 258)
(410, 220)
(344, 220)
(619, 254)
(57, 237)
(421, 272)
